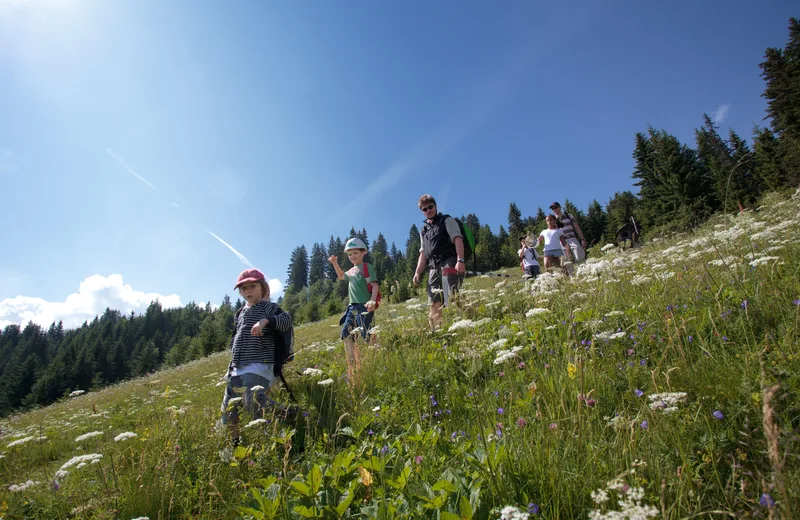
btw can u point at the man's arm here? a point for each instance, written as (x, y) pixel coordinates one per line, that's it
(578, 230)
(422, 261)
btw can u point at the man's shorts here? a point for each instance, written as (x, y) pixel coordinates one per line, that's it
(578, 254)
(254, 401)
(441, 286)
(356, 315)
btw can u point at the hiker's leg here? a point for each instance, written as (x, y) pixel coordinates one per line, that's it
(435, 315)
(230, 411)
(255, 399)
(436, 297)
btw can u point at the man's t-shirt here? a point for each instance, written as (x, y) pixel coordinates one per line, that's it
(552, 240)
(357, 283)
(567, 227)
(528, 259)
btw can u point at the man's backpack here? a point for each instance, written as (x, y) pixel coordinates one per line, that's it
(369, 286)
(284, 349)
(466, 234)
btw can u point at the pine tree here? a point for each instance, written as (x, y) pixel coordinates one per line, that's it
(714, 155)
(412, 247)
(330, 271)
(619, 210)
(595, 223)
(298, 270)
(316, 266)
(767, 158)
(781, 72)
(515, 224)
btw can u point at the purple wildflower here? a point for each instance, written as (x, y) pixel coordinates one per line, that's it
(645, 425)
(500, 411)
(766, 501)
(533, 508)
(553, 426)
(718, 415)
(638, 393)
(418, 459)
(522, 422)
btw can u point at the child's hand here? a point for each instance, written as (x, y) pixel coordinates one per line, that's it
(370, 305)
(257, 329)
(333, 259)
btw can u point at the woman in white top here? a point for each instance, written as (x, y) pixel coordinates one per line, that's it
(553, 239)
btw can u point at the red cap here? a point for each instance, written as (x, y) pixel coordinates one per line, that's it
(249, 275)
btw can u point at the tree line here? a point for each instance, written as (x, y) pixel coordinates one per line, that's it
(679, 187)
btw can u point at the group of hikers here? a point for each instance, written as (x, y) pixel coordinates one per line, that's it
(258, 348)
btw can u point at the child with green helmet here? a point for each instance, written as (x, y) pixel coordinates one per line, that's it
(363, 291)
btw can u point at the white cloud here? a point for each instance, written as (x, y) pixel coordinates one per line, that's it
(95, 294)
(275, 288)
(720, 114)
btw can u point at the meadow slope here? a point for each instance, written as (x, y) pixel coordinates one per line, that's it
(660, 381)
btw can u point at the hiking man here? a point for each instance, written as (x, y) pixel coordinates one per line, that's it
(442, 251)
(572, 231)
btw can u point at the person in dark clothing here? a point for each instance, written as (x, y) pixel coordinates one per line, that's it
(442, 252)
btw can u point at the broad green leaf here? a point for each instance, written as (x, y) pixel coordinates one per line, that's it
(301, 487)
(315, 478)
(444, 485)
(306, 512)
(447, 515)
(465, 508)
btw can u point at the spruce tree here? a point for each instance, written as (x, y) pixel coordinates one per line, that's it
(316, 266)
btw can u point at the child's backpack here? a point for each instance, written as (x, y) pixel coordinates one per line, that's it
(369, 286)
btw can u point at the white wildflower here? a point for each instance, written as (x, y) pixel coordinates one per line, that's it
(376, 409)
(461, 324)
(76, 393)
(86, 436)
(536, 311)
(16, 488)
(512, 513)
(640, 279)
(763, 260)
(256, 388)
(325, 382)
(312, 372)
(255, 422)
(78, 459)
(234, 400)
(498, 343)
(614, 313)
(666, 402)
(124, 436)
(607, 247)
(599, 496)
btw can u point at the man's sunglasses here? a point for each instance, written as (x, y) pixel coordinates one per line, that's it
(427, 208)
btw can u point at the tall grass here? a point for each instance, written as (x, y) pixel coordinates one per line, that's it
(565, 418)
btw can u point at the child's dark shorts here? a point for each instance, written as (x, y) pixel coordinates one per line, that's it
(356, 315)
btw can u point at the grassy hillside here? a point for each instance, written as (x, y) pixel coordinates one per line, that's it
(660, 381)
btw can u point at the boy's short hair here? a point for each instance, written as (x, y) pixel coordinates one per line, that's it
(425, 199)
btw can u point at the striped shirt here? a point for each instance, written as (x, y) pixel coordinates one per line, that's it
(566, 226)
(246, 348)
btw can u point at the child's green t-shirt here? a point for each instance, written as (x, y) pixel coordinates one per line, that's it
(357, 283)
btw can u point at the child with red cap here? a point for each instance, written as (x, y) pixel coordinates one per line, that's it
(251, 371)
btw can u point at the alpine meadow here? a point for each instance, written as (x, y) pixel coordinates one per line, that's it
(660, 379)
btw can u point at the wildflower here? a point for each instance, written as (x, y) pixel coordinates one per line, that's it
(370, 432)
(766, 501)
(590, 403)
(645, 425)
(54, 485)
(325, 382)
(500, 411)
(124, 436)
(638, 393)
(498, 343)
(76, 393)
(256, 422)
(522, 422)
(796, 301)
(16, 488)
(312, 372)
(600, 496)
(78, 459)
(571, 370)
(86, 436)
(418, 459)
(718, 415)
(376, 409)
(512, 513)
(461, 324)
(536, 311)
(553, 426)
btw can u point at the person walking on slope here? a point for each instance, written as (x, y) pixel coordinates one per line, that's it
(572, 232)
(442, 251)
(554, 243)
(362, 286)
(251, 372)
(527, 256)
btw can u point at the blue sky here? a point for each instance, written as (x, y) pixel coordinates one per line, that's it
(130, 131)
